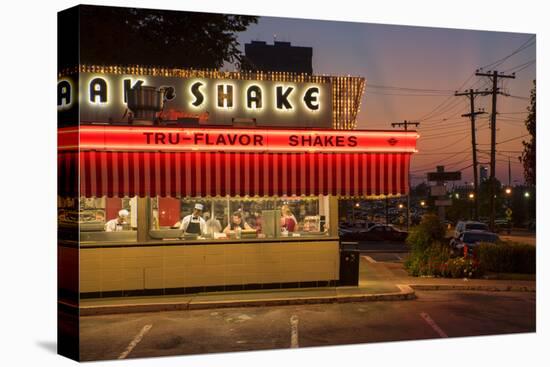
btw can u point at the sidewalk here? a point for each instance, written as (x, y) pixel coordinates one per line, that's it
(379, 281)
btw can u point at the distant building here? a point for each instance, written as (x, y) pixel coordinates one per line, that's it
(280, 56)
(483, 173)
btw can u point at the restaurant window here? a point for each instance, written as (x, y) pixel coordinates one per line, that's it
(67, 218)
(107, 219)
(238, 218)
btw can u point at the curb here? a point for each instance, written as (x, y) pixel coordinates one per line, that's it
(486, 288)
(405, 293)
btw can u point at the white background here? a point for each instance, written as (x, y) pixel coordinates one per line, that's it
(28, 179)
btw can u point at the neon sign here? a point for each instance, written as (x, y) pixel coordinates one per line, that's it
(126, 138)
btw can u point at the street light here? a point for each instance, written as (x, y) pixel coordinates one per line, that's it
(471, 197)
(457, 195)
(526, 194)
(422, 203)
(508, 192)
(400, 206)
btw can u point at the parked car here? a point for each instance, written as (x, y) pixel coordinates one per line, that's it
(377, 232)
(469, 225)
(471, 238)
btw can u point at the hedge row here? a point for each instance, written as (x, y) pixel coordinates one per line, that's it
(507, 257)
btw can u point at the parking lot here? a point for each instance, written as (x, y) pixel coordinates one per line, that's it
(432, 315)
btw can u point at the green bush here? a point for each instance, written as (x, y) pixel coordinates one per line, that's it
(429, 231)
(462, 267)
(507, 257)
(430, 257)
(428, 262)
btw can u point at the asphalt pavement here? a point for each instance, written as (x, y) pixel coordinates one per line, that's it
(456, 312)
(432, 315)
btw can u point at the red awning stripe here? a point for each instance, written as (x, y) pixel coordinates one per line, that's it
(173, 174)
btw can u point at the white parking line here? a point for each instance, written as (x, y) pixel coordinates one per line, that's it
(294, 331)
(135, 341)
(370, 259)
(434, 326)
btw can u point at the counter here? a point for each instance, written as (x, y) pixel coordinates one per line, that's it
(182, 267)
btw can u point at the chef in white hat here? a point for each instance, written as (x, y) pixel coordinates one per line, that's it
(194, 223)
(117, 224)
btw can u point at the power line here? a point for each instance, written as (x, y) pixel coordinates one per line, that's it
(445, 131)
(524, 46)
(446, 146)
(431, 166)
(518, 97)
(431, 137)
(463, 168)
(417, 154)
(406, 95)
(378, 86)
(442, 126)
(512, 139)
(444, 103)
(444, 108)
(443, 160)
(521, 66)
(446, 100)
(452, 106)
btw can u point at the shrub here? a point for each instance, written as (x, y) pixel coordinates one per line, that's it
(428, 262)
(429, 231)
(462, 267)
(427, 254)
(507, 257)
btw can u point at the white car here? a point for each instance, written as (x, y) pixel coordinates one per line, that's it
(469, 225)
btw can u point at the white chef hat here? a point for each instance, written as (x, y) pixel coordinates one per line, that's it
(199, 206)
(123, 213)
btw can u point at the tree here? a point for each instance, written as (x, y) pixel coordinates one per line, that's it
(130, 36)
(529, 156)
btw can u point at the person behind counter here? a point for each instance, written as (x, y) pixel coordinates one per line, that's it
(288, 220)
(236, 222)
(194, 223)
(213, 225)
(117, 224)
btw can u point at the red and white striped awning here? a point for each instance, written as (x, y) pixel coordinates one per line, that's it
(120, 173)
(215, 173)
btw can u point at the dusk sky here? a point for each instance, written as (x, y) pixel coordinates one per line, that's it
(435, 59)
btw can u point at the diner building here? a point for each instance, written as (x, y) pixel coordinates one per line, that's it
(179, 181)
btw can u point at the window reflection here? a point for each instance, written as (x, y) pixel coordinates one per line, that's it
(236, 218)
(107, 219)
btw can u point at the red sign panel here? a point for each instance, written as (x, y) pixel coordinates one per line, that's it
(130, 138)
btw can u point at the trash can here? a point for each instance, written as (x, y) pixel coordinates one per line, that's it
(349, 263)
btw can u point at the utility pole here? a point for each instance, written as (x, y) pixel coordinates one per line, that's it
(509, 173)
(472, 115)
(405, 125)
(494, 76)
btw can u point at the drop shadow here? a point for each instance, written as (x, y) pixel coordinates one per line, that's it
(48, 345)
